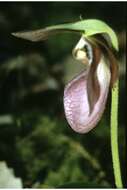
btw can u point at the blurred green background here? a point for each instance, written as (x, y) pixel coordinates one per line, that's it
(35, 139)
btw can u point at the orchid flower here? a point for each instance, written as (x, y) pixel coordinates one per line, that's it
(85, 96)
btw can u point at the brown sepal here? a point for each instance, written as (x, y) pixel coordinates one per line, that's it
(113, 68)
(93, 84)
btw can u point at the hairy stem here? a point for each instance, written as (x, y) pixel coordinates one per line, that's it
(114, 135)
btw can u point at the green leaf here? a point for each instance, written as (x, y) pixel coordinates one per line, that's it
(87, 27)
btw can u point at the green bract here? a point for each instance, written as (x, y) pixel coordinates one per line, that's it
(88, 27)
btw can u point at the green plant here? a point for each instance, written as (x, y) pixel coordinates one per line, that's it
(93, 85)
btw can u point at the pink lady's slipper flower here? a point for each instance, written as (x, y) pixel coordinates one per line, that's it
(86, 95)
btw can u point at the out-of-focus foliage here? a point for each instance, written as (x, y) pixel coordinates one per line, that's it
(35, 139)
(7, 178)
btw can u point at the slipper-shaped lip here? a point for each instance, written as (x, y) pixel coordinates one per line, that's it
(85, 96)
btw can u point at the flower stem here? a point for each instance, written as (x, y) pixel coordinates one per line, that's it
(114, 135)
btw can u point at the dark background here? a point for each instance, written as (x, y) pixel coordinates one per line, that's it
(35, 139)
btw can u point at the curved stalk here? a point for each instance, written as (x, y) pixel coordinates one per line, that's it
(114, 135)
